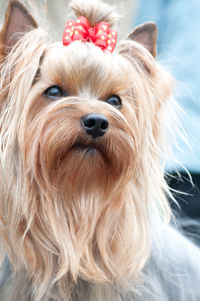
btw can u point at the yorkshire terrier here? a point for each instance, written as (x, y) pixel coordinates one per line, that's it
(83, 196)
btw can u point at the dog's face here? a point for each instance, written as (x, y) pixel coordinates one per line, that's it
(80, 136)
(80, 130)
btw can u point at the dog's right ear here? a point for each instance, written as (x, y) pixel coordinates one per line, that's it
(18, 21)
(145, 34)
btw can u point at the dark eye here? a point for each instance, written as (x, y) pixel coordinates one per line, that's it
(54, 92)
(115, 101)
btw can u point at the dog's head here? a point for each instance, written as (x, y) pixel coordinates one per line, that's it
(80, 142)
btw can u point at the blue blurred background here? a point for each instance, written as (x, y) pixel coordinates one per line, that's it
(178, 23)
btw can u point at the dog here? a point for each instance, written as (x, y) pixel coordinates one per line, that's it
(83, 205)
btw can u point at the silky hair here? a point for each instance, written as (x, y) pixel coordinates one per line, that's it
(56, 229)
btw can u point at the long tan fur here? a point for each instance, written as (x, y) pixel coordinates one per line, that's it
(67, 215)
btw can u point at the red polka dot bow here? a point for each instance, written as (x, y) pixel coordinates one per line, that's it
(100, 35)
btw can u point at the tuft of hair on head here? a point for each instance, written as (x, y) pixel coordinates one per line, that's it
(95, 11)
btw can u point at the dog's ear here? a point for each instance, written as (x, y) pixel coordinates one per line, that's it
(18, 21)
(145, 34)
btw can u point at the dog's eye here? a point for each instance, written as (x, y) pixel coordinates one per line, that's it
(54, 92)
(115, 101)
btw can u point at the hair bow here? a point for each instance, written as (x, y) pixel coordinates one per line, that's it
(100, 35)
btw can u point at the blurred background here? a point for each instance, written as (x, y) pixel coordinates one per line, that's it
(178, 23)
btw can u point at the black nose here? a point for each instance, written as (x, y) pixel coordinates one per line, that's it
(95, 125)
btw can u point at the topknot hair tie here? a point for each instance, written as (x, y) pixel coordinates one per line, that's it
(101, 35)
